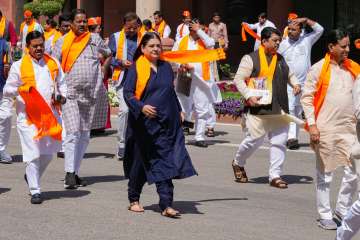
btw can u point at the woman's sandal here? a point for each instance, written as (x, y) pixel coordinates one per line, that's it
(210, 132)
(239, 173)
(278, 183)
(170, 212)
(136, 207)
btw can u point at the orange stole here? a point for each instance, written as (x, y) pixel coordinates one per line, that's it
(160, 28)
(245, 28)
(37, 110)
(183, 45)
(324, 81)
(193, 56)
(2, 26)
(30, 27)
(120, 50)
(72, 48)
(143, 70)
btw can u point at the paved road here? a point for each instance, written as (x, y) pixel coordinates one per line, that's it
(213, 205)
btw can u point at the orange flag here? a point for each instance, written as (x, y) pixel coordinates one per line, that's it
(245, 28)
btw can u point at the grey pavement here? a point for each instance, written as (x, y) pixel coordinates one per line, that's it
(213, 206)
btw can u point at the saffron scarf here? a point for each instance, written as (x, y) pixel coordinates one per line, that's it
(72, 48)
(183, 45)
(2, 26)
(37, 110)
(120, 52)
(181, 30)
(324, 81)
(265, 69)
(30, 28)
(246, 29)
(160, 28)
(52, 32)
(143, 67)
(143, 70)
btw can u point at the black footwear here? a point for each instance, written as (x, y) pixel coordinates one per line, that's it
(337, 218)
(80, 182)
(293, 144)
(202, 144)
(186, 131)
(70, 181)
(60, 155)
(36, 199)
(120, 154)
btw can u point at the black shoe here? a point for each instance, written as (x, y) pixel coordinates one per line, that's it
(80, 182)
(202, 144)
(36, 199)
(186, 131)
(60, 155)
(293, 144)
(120, 154)
(70, 181)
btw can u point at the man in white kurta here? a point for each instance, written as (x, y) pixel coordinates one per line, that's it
(267, 119)
(183, 29)
(259, 26)
(296, 49)
(203, 93)
(29, 24)
(351, 222)
(332, 129)
(37, 154)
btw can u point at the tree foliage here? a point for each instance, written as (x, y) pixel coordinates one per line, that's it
(45, 7)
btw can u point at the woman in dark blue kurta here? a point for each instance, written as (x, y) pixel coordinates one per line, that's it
(155, 146)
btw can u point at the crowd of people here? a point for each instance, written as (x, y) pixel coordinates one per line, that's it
(60, 89)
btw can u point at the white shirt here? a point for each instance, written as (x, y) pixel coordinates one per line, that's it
(297, 54)
(32, 148)
(209, 87)
(258, 27)
(185, 31)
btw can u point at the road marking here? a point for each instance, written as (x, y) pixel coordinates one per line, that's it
(264, 148)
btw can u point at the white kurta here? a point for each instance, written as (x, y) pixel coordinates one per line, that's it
(208, 88)
(258, 27)
(336, 120)
(185, 31)
(32, 149)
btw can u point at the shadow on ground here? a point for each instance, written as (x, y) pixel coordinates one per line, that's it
(104, 134)
(103, 179)
(51, 195)
(191, 207)
(17, 158)
(4, 190)
(96, 155)
(290, 179)
(209, 142)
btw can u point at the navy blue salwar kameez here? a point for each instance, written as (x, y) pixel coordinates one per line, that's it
(155, 147)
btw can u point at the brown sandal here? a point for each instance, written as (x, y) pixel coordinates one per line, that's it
(210, 132)
(278, 183)
(239, 173)
(136, 207)
(170, 213)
